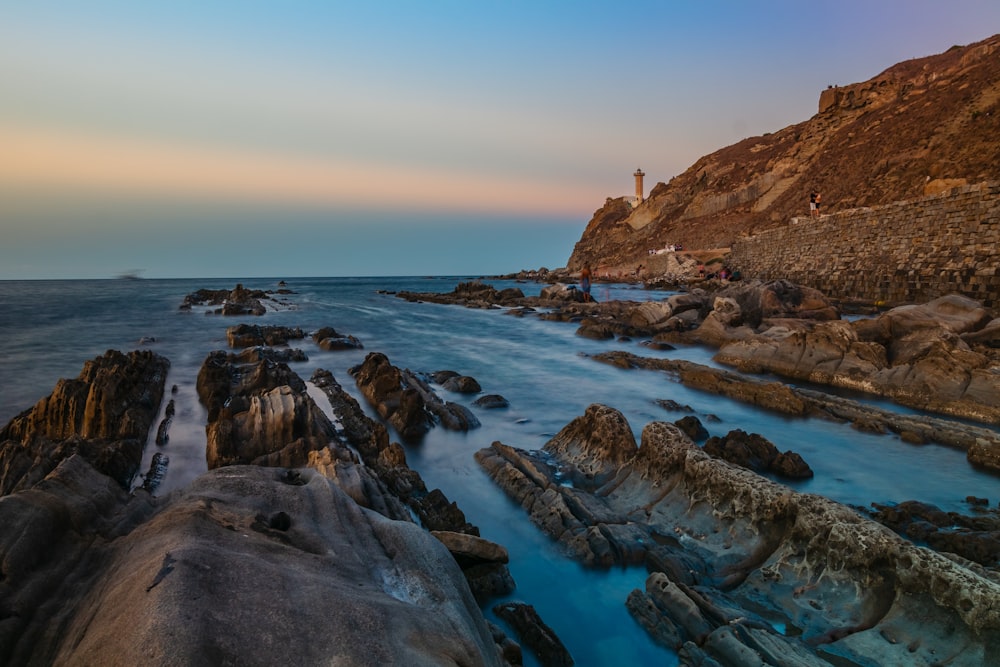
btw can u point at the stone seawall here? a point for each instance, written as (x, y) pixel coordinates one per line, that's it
(908, 251)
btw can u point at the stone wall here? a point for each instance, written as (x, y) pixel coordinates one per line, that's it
(908, 251)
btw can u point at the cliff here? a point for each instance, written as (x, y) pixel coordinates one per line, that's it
(919, 127)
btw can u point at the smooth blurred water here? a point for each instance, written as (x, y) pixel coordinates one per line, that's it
(48, 329)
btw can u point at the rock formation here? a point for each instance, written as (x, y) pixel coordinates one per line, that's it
(103, 415)
(915, 355)
(742, 570)
(237, 301)
(406, 400)
(310, 557)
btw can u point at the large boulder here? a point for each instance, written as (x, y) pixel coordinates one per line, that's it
(245, 566)
(779, 299)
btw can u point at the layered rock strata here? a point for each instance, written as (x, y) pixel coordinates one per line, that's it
(982, 445)
(103, 415)
(743, 570)
(916, 355)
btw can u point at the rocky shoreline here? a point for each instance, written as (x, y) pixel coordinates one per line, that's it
(324, 525)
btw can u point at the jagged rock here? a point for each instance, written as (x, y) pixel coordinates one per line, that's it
(382, 384)
(473, 294)
(535, 634)
(777, 299)
(251, 335)
(104, 415)
(259, 413)
(238, 301)
(482, 561)
(903, 355)
(157, 472)
(595, 444)
(982, 445)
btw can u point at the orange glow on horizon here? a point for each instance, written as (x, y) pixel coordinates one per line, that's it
(50, 160)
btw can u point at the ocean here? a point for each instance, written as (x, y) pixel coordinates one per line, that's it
(48, 329)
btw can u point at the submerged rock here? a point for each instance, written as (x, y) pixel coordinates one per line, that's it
(535, 633)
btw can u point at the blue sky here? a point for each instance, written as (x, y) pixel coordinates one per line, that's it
(204, 139)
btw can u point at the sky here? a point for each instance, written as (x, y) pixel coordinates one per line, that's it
(433, 137)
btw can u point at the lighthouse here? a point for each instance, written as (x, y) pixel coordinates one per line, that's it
(638, 185)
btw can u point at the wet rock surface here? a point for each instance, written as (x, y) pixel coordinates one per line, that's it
(942, 356)
(733, 556)
(975, 537)
(915, 355)
(535, 633)
(258, 413)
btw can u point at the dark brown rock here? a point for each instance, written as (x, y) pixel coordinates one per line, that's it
(753, 451)
(535, 634)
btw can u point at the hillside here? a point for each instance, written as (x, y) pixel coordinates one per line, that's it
(922, 125)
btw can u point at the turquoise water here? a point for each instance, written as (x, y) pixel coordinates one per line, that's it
(48, 329)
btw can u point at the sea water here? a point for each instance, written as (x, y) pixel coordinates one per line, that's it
(48, 329)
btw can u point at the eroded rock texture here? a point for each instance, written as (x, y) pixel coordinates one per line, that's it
(259, 413)
(734, 558)
(927, 356)
(103, 415)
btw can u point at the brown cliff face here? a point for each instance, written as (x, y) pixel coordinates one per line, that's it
(922, 124)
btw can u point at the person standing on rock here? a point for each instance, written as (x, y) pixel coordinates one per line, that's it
(814, 203)
(585, 282)
(819, 196)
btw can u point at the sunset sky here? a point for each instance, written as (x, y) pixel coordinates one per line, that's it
(242, 139)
